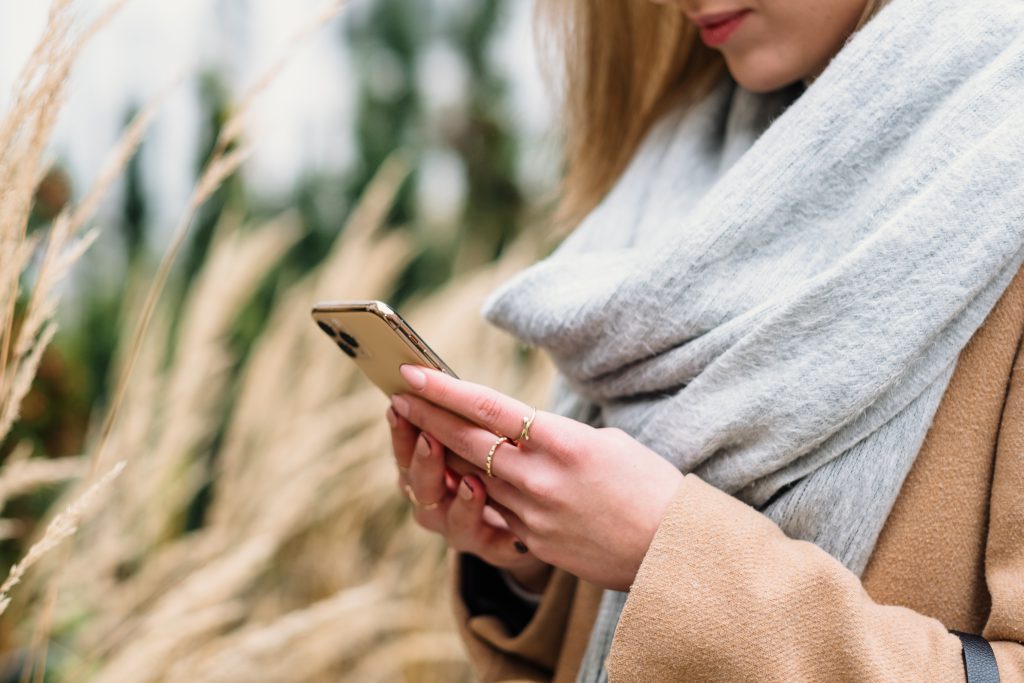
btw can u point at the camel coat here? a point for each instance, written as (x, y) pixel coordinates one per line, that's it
(724, 595)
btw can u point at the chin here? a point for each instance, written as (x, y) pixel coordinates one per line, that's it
(761, 76)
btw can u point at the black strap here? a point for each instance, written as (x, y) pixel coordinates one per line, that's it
(979, 659)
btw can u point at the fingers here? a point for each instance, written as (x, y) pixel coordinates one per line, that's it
(494, 518)
(449, 496)
(498, 490)
(515, 525)
(464, 438)
(426, 475)
(484, 406)
(403, 437)
(468, 532)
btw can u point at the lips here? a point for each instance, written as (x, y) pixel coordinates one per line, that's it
(711, 20)
(715, 29)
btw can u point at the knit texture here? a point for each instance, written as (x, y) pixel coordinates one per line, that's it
(949, 556)
(775, 292)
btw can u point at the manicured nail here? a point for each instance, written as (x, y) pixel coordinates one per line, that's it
(392, 418)
(521, 547)
(422, 446)
(413, 375)
(465, 490)
(400, 404)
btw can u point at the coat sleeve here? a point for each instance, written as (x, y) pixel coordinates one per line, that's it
(1004, 552)
(724, 595)
(506, 639)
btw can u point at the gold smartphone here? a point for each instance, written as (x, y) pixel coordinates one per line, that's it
(378, 339)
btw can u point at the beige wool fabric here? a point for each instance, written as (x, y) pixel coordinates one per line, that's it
(759, 606)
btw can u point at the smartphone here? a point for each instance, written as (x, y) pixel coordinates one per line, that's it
(378, 339)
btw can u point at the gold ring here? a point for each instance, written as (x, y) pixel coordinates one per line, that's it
(490, 454)
(527, 423)
(415, 501)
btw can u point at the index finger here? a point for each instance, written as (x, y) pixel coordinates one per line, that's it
(487, 407)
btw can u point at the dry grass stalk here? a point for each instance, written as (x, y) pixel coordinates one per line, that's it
(169, 468)
(196, 389)
(151, 656)
(223, 162)
(62, 251)
(61, 527)
(24, 135)
(168, 626)
(20, 375)
(21, 476)
(303, 643)
(170, 419)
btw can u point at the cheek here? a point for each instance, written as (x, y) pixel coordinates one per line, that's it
(788, 41)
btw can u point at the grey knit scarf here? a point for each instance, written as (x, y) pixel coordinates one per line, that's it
(775, 293)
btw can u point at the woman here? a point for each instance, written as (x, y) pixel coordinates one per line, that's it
(785, 439)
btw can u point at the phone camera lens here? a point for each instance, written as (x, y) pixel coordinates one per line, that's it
(346, 348)
(348, 339)
(328, 330)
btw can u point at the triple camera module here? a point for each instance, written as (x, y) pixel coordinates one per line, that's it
(345, 341)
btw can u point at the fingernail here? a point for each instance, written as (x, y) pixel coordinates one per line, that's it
(413, 375)
(401, 405)
(465, 490)
(422, 446)
(392, 418)
(521, 547)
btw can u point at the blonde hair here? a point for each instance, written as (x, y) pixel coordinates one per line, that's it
(624, 62)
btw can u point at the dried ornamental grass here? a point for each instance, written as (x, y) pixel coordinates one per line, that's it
(20, 476)
(302, 472)
(25, 132)
(169, 423)
(61, 527)
(307, 565)
(227, 156)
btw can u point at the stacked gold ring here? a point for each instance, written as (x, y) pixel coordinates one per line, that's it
(524, 435)
(490, 454)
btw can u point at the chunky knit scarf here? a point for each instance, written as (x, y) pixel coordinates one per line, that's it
(775, 293)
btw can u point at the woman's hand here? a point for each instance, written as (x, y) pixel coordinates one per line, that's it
(587, 500)
(456, 509)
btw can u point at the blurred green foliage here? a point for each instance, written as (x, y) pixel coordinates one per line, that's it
(481, 135)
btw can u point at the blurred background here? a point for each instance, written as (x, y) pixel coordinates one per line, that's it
(407, 152)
